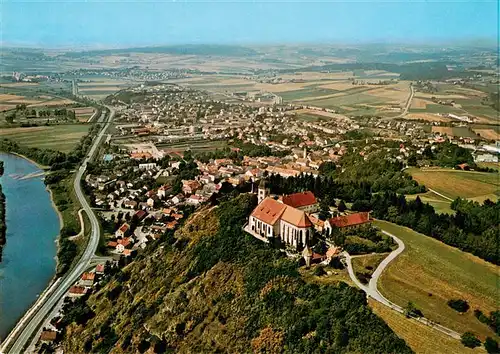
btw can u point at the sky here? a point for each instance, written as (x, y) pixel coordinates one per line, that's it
(141, 23)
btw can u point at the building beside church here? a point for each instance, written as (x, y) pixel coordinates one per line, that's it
(305, 201)
(347, 221)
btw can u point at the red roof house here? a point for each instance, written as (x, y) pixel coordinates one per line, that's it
(351, 220)
(304, 201)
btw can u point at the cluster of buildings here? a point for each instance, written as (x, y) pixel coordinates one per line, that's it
(51, 330)
(293, 220)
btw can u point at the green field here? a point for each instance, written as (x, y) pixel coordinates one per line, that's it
(56, 137)
(429, 273)
(456, 183)
(194, 146)
(305, 93)
(439, 204)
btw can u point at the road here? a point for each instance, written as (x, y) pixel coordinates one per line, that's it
(408, 103)
(20, 336)
(441, 195)
(372, 289)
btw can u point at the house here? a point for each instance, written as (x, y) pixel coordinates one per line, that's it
(87, 279)
(305, 201)
(272, 219)
(130, 204)
(77, 291)
(123, 244)
(140, 215)
(123, 230)
(195, 199)
(347, 221)
(48, 336)
(99, 269)
(162, 191)
(147, 166)
(190, 186)
(179, 198)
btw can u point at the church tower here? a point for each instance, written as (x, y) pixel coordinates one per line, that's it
(262, 192)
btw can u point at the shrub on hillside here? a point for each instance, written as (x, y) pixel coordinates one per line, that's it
(459, 305)
(470, 340)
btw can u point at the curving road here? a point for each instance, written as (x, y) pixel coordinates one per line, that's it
(372, 289)
(20, 336)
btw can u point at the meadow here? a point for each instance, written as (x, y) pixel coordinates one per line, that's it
(429, 273)
(421, 338)
(62, 137)
(456, 183)
(439, 204)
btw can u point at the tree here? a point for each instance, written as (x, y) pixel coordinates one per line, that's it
(10, 118)
(459, 305)
(412, 160)
(491, 346)
(342, 207)
(411, 310)
(324, 212)
(470, 340)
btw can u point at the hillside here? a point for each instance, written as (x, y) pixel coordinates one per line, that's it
(211, 288)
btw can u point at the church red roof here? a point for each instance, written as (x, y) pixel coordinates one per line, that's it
(298, 200)
(350, 220)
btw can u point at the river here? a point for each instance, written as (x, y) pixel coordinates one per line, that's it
(29, 254)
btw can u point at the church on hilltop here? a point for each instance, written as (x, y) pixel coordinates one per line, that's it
(276, 219)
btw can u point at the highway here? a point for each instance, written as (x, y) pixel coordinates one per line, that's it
(20, 336)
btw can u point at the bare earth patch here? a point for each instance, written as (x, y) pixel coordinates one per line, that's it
(489, 134)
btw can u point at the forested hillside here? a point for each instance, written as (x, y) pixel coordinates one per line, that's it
(212, 288)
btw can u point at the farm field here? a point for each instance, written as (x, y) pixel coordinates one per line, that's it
(194, 146)
(421, 338)
(429, 273)
(439, 204)
(456, 183)
(464, 132)
(468, 101)
(56, 137)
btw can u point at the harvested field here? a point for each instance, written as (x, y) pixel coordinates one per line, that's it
(442, 97)
(341, 85)
(457, 183)
(429, 273)
(52, 103)
(489, 134)
(9, 97)
(421, 338)
(19, 84)
(418, 103)
(443, 130)
(6, 107)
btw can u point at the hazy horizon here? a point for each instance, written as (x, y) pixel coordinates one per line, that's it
(78, 25)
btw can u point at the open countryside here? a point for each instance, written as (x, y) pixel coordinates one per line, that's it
(430, 273)
(473, 185)
(58, 137)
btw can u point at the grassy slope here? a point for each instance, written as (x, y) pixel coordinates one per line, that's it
(440, 204)
(55, 137)
(456, 183)
(420, 338)
(361, 263)
(428, 266)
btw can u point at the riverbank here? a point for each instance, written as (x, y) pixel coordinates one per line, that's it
(40, 166)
